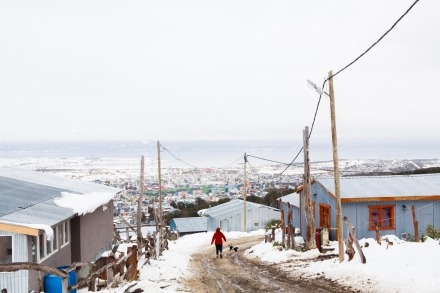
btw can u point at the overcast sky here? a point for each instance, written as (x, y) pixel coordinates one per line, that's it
(174, 70)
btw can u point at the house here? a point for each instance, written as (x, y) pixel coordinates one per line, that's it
(370, 201)
(52, 221)
(189, 225)
(230, 216)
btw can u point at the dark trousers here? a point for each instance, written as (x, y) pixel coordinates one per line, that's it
(218, 248)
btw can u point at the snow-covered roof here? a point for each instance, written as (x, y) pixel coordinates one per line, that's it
(385, 186)
(28, 197)
(192, 224)
(293, 199)
(233, 207)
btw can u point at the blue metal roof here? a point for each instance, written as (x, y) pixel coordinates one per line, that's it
(384, 186)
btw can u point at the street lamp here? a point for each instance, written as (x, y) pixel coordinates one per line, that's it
(335, 160)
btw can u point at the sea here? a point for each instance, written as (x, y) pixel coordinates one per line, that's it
(201, 154)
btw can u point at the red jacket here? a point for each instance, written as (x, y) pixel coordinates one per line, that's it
(217, 237)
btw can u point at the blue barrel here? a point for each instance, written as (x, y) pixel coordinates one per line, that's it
(53, 283)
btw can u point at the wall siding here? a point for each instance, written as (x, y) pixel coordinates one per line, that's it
(16, 282)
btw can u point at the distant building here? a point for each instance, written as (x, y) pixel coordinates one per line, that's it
(189, 225)
(230, 216)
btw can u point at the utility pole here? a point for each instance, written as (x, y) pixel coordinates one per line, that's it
(139, 210)
(159, 251)
(244, 194)
(336, 168)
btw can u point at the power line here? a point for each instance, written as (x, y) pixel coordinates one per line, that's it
(178, 158)
(375, 43)
(233, 162)
(267, 160)
(341, 70)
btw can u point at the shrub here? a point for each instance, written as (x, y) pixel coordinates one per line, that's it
(271, 224)
(276, 243)
(431, 232)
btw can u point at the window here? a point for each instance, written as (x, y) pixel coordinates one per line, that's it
(64, 233)
(5, 249)
(382, 217)
(43, 246)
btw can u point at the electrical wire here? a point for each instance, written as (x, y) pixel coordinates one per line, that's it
(375, 43)
(341, 70)
(232, 162)
(267, 160)
(180, 160)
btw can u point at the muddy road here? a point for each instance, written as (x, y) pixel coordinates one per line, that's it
(236, 273)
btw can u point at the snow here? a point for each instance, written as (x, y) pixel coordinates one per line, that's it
(402, 267)
(83, 203)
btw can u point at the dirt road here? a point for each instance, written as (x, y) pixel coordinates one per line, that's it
(236, 273)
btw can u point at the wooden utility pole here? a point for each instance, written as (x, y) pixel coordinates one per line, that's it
(310, 220)
(339, 229)
(159, 252)
(244, 194)
(139, 209)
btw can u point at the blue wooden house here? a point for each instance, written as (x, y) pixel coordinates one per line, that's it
(370, 201)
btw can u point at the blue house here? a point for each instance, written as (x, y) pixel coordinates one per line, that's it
(370, 201)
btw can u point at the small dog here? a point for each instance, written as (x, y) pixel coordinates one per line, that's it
(389, 243)
(232, 247)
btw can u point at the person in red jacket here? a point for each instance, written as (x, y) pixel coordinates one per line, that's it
(218, 238)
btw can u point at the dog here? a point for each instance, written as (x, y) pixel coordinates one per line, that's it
(389, 243)
(231, 247)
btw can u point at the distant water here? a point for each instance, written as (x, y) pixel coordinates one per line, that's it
(212, 153)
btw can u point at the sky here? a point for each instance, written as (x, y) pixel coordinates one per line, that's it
(404, 267)
(219, 70)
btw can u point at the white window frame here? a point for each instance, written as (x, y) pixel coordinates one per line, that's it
(61, 233)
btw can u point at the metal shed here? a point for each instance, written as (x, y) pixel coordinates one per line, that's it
(189, 225)
(230, 216)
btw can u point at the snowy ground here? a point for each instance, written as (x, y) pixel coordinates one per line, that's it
(402, 267)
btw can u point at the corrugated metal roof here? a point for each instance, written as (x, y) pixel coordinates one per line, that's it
(27, 196)
(194, 224)
(385, 186)
(232, 208)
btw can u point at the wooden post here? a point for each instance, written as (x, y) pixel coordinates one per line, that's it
(349, 251)
(310, 220)
(378, 240)
(159, 252)
(352, 235)
(283, 229)
(131, 264)
(336, 168)
(291, 241)
(139, 208)
(416, 224)
(244, 194)
(92, 284)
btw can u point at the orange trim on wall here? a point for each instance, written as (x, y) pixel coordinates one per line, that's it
(19, 229)
(391, 198)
